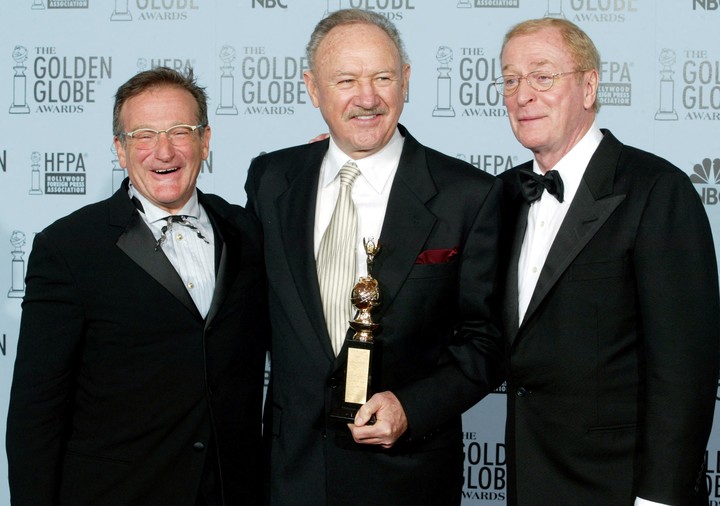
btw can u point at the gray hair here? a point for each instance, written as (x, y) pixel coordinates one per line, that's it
(351, 17)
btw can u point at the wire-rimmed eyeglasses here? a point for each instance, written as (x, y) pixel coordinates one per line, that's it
(147, 138)
(539, 80)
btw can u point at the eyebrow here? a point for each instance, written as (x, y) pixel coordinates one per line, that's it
(535, 64)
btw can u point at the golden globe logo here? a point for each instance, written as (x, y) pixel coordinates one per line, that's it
(602, 11)
(64, 83)
(165, 10)
(271, 84)
(477, 91)
(485, 474)
(701, 93)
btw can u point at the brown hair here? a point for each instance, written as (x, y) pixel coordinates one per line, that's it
(156, 78)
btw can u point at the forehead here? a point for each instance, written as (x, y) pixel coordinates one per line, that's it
(160, 100)
(543, 47)
(358, 43)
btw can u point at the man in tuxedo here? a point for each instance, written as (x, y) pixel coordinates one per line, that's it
(437, 222)
(611, 309)
(140, 362)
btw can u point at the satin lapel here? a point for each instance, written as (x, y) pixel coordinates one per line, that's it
(139, 244)
(510, 314)
(593, 204)
(585, 216)
(227, 246)
(296, 212)
(408, 222)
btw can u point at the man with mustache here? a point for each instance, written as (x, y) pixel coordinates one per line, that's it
(437, 221)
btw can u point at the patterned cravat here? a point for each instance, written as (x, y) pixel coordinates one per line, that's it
(182, 220)
(336, 259)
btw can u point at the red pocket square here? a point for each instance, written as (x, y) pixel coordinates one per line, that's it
(436, 256)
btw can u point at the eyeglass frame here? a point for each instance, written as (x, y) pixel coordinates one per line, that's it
(554, 75)
(124, 135)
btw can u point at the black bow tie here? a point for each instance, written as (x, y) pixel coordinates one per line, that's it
(534, 184)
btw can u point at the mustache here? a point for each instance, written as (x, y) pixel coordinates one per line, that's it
(365, 112)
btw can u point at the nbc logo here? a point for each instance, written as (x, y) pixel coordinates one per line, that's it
(707, 173)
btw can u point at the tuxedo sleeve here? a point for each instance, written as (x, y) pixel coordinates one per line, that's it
(473, 364)
(677, 292)
(41, 399)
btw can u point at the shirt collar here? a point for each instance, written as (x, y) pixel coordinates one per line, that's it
(376, 168)
(572, 166)
(154, 213)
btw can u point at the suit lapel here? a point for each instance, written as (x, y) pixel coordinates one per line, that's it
(408, 222)
(593, 204)
(227, 246)
(138, 243)
(296, 211)
(511, 314)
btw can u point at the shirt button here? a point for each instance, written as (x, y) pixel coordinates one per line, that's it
(542, 223)
(534, 270)
(190, 285)
(198, 446)
(521, 392)
(179, 237)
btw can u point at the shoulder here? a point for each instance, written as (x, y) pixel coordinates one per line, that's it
(511, 179)
(444, 169)
(88, 219)
(287, 159)
(234, 214)
(633, 164)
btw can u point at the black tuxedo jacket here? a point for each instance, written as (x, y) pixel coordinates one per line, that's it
(441, 350)
(614, 368)
(121, 389)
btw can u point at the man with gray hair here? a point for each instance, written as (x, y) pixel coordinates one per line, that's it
(437, 222)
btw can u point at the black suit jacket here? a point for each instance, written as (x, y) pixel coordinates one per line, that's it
(122, 391)
(441, 350)
(614, 368)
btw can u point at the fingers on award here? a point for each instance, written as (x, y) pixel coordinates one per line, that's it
(358, 370)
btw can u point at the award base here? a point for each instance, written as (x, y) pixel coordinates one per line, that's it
(227, 109)
(19, 109)
(355, 388)
(345, 413)
(443, 112)
(121, 16)
(666, 115)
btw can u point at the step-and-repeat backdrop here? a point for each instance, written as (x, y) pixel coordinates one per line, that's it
(61, 62)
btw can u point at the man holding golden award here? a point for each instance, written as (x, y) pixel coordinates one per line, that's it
(438, 221)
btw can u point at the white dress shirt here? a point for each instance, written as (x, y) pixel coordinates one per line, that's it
(370, 193)
(192, 257)
(547, 214)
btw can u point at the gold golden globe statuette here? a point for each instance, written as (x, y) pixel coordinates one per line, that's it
(358, 371)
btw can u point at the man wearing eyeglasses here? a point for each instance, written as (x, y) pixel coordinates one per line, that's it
(140, 362)
(611, 305)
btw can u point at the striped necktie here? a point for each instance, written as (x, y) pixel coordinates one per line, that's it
(336, 259)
